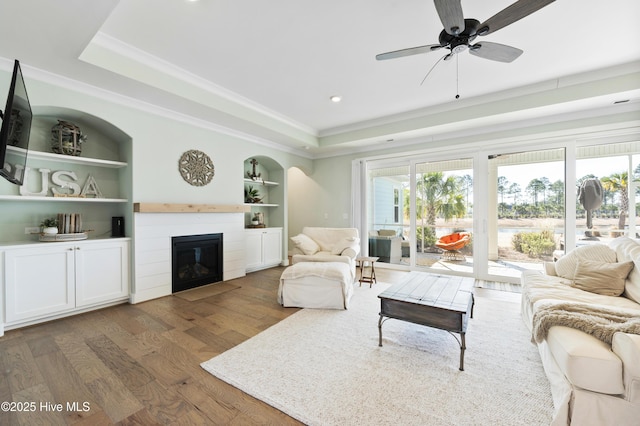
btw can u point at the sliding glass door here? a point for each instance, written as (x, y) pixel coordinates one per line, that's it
(513, 209)
(526, 199)
(388, 225)
(606, 183)
(443, 215)
(412, 206)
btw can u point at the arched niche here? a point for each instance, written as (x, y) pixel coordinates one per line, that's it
(266, 176)
(104, 140)
(105, 161)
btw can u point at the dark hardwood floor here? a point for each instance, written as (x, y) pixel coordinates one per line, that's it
(140, 364)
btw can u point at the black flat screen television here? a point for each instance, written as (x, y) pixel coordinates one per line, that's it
(16, 127)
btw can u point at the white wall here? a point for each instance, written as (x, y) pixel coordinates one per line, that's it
(157, 140)
(157, 144)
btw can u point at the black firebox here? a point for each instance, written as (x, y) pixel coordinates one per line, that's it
(196, 261)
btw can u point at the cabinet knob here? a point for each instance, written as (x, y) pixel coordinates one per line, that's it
(77, 248)
(70, 249)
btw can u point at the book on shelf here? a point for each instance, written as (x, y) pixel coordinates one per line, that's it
(69, 223)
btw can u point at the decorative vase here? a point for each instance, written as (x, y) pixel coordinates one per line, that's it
(259, 216)
(50, 230)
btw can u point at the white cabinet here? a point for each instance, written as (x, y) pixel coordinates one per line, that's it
(39, 281)
(253, 239)
(263, 248)
(102, 272)
(44, 281)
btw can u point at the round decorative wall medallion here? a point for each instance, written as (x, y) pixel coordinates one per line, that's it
(196, 167)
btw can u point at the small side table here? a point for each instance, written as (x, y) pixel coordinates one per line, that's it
(371, 278)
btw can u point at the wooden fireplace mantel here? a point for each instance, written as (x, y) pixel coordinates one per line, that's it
(189, 208)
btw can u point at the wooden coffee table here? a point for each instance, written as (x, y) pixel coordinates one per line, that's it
(439, 301)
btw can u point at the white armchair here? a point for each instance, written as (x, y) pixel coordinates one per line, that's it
(318, 244)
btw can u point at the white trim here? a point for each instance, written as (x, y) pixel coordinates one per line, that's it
(623, 132)
(133, 53)
(129, 102)
(505, 128)
(591, 76)
(480, 214)
(570, 196)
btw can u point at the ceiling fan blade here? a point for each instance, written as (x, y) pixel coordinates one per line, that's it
(495, 51)
(511, 14)
(407, 52)
(451, 16)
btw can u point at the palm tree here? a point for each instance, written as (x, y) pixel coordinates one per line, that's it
(466, 182)
(441, 196)
(437, 195)
(619, 182)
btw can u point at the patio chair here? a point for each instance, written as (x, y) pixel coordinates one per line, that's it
(452, 243)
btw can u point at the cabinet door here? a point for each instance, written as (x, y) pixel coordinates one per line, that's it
(39, 281)
(272, 247)
(253, 241)
(102, 272)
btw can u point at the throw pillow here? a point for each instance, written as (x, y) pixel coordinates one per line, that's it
(629, 249)
(305, 244)
(566, 265)
(601, 277)
(344, 244)
(387, 233)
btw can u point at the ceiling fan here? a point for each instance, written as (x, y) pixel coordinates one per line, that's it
(459, 33)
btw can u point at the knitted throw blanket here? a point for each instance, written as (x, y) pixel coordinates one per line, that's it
(600, 322)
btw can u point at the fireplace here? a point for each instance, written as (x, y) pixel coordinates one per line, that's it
(196, 261)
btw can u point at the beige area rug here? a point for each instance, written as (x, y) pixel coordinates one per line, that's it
(324, 367)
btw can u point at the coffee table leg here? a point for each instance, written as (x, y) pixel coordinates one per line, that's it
(462, 348)
(473, 303)
(380, 330)
(373, 274)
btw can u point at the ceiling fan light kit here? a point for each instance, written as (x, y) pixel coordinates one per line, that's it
(457, 41)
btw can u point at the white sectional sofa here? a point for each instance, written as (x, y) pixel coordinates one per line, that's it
(594, 380)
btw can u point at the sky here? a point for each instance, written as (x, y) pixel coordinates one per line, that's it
(600, 167)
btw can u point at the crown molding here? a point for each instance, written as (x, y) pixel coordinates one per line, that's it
(124, 50)
(129, 102)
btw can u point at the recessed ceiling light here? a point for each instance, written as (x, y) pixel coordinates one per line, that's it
(335, 98)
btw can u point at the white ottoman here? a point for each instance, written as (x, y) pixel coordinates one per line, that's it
(322, 285)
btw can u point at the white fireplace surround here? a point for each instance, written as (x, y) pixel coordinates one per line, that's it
(152, 252)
